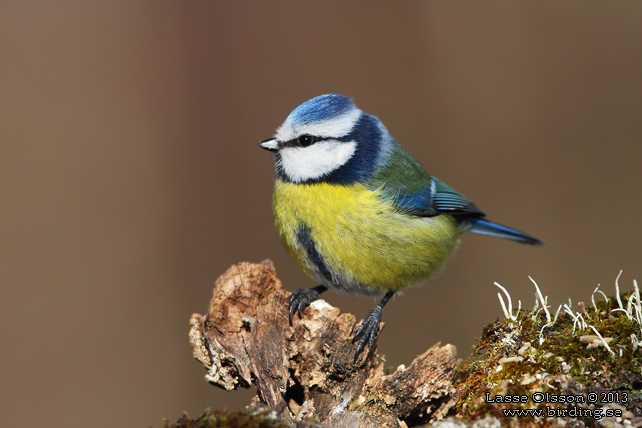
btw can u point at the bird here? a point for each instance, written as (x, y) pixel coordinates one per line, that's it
(358, 213)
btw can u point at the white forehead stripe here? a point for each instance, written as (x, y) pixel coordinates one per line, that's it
(315, 161)
(330, 128)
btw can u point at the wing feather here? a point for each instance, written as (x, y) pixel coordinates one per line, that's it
(403, 180)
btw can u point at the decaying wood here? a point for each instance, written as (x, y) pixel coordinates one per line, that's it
(308, 369)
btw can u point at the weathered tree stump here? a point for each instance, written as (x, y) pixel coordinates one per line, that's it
(308, 370)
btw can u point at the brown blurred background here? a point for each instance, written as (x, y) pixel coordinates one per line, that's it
(130, 176)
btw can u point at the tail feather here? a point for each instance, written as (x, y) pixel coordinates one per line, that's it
(484, 227)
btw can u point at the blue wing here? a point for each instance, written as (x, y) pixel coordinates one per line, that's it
(413, 191)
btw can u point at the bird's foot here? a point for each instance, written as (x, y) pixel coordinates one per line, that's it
(368, 330)
(301, 299)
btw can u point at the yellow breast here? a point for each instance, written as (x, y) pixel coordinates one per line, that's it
(367, 245)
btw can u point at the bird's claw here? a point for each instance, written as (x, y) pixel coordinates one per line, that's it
(301, 299)
(368, 330)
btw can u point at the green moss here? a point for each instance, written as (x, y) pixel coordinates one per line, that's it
(556, 361)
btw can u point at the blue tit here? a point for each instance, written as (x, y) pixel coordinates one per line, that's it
(357, 211)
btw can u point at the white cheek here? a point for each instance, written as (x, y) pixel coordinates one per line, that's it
(315, 161)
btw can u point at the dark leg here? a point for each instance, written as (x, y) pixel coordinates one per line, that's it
(302, 297)
(369, 328)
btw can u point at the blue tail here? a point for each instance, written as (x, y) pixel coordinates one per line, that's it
(484, 227)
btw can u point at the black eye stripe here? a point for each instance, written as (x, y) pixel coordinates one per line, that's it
(296, 142)
(306, 140)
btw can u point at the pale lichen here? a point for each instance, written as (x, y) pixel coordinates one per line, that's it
(571, 352)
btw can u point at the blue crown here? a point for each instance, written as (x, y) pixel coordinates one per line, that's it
(321, 108)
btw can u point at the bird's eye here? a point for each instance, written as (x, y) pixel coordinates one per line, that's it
(306, 140)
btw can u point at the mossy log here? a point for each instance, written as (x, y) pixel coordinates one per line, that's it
(588, 362)
(307, 371)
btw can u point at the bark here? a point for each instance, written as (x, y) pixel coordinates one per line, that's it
(308, 369)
